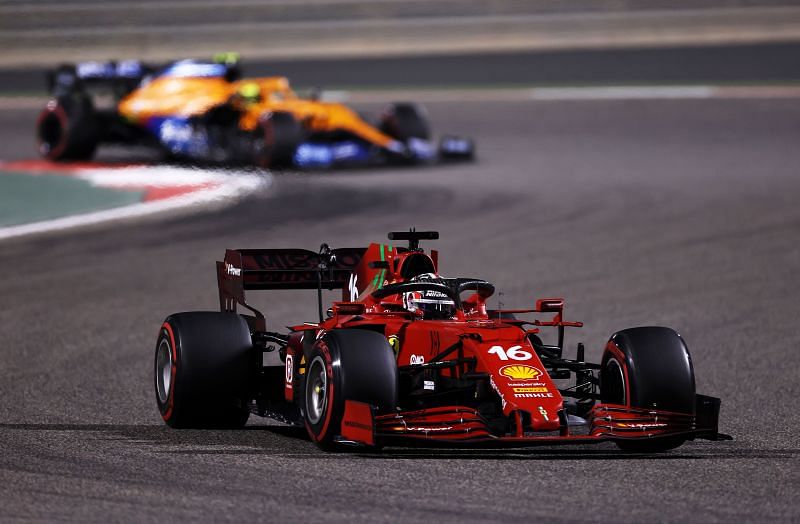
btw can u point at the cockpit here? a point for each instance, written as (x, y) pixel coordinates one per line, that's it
(431, 297)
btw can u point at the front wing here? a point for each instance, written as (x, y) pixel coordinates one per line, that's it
(458, 426)
(324, 154)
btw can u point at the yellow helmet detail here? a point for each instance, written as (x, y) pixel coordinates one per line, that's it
(250, 91)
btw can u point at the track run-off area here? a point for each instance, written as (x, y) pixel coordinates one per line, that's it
(638, 210)
(38, 197)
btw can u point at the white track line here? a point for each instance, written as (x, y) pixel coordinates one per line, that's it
(154, 176)
(545, 94)
(232, 186)
(512, 94)
(621, 92)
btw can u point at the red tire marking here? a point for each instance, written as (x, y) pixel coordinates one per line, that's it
(269, 141)
(171, 401)
(623, 362)
(329, 413)
(58, 111)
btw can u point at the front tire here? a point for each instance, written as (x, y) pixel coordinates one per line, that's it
(201, 370)
(650, 368)
(276, 140)
(406, 121)
(344, 365)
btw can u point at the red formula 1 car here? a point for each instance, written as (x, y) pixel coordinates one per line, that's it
(409, 358)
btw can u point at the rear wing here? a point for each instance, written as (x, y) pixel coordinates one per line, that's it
(264, 269)
(118, 77)
(122, 77)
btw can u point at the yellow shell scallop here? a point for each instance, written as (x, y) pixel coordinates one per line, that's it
(520, 372)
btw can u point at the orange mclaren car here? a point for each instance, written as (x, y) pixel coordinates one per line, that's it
(205, 112)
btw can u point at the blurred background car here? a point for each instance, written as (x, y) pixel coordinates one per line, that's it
(204, 111)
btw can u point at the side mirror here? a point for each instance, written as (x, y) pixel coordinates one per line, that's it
(347, 308)
(315, 94)
(550, 305)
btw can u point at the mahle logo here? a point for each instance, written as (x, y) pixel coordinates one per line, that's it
(520, 372)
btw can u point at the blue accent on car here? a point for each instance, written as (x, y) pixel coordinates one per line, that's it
(95, 70)
(421, 149)
(180, 137)
(451, 145)
(315, 154)
(130, 69)
(100, 70)
(195, 69)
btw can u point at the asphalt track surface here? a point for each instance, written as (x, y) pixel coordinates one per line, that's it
(673, 212)
(775, 62)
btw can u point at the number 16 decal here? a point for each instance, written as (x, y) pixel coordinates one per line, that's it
(513, 353)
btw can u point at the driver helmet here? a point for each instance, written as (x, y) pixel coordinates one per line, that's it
(250, 93)
(432, 304)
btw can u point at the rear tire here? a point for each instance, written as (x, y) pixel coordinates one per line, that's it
(344, 365)
(648, 367)
(276, 140)
(67, 128)
(202, 365)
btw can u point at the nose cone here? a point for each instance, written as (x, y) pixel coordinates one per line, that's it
(531, 390)
(545, 418)
(520, 379)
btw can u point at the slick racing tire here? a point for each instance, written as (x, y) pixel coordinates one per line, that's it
(349, 364)
(648, 367)
(276, 140)
(201, 369)
(406, 121)
(67, 128)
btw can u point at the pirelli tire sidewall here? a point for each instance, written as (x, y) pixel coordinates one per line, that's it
(324, 427)
(648, 367)
(210, 364)
(67, 128)
(655, 367)
(404, 121)
(359, 365)
(277, 137)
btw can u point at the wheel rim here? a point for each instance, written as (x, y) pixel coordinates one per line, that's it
(614, 383)
(163, 371)
(316, 391)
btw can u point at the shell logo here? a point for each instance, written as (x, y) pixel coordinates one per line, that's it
(520, 372)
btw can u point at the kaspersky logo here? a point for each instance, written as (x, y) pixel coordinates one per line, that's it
(520, 372)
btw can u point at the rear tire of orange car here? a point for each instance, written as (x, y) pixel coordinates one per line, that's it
(648, 367)
(67, 128)
(276, 140)
(201, 370)
(347, 364)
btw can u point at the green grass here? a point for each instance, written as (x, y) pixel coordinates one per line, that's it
(26, 198)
